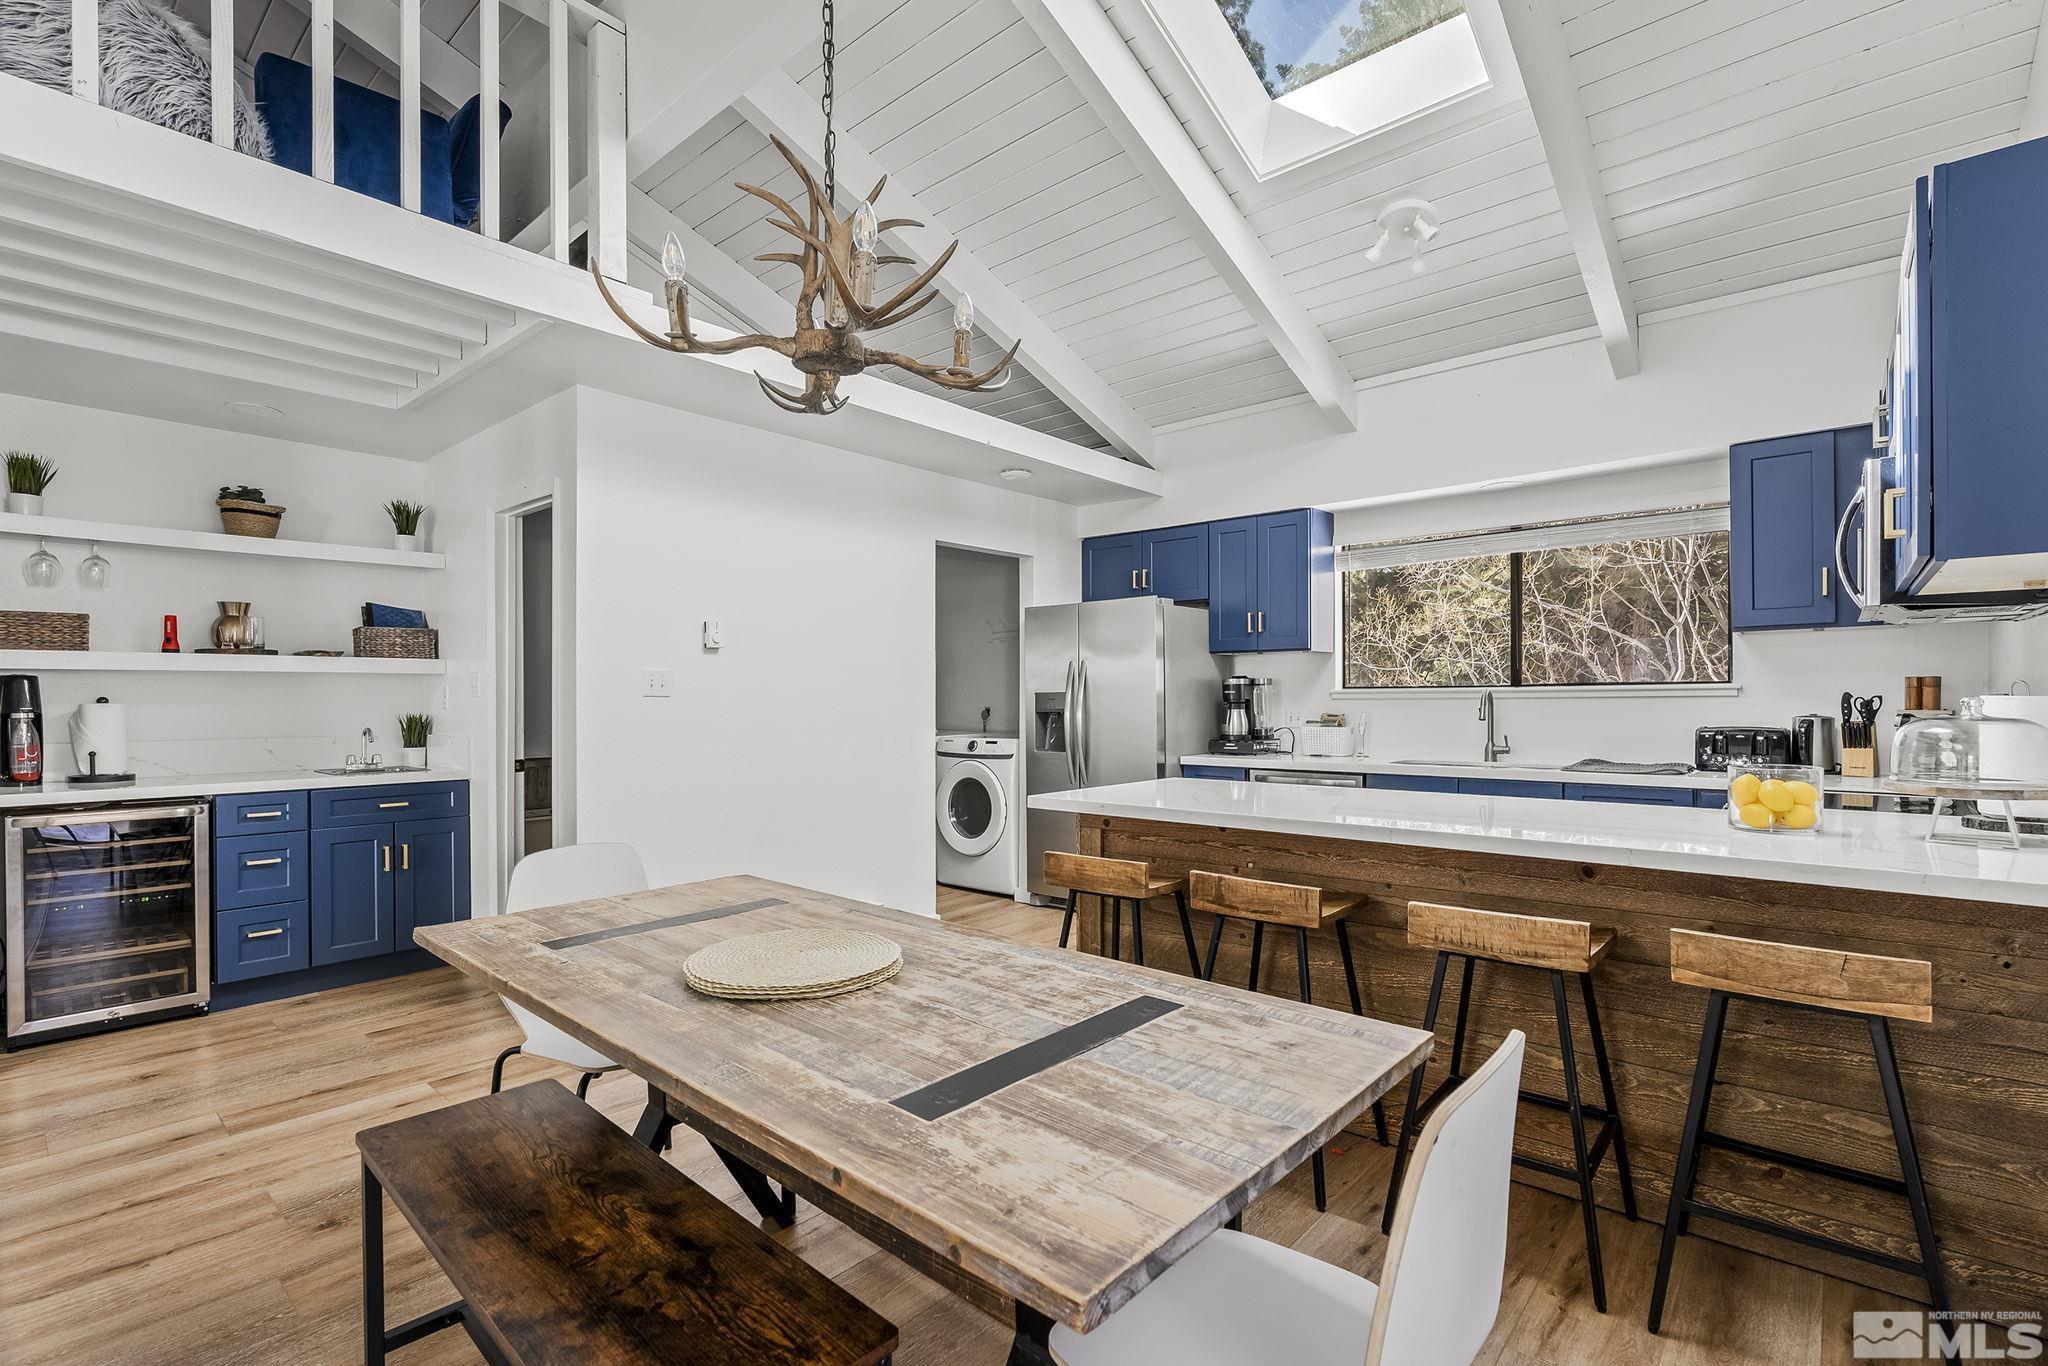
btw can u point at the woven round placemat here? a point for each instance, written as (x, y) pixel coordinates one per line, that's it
(793, 965)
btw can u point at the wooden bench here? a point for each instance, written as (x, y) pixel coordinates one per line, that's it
(569, 1242)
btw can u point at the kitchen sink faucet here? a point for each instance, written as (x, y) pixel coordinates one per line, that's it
(1495, 749)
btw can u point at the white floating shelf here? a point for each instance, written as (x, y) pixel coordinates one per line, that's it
(212, 542)
(149, 661)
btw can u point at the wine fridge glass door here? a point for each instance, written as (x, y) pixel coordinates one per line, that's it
(107, 916)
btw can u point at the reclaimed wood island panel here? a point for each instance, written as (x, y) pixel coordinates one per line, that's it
(1976, 1078)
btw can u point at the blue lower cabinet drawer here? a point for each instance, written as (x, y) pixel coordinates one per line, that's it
(1410, 782)
(1234, 775)
(260, 940)
(1629, 794)
(1510, 787)
(248, 813)
(1709, 796)
(258, 870)
(381, 805)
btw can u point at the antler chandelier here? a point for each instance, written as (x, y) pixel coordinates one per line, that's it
(839, 262)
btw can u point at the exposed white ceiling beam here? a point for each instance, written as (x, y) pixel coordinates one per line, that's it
(2034, 117)
(1084, 41)
(778, 105)
(1545, 63)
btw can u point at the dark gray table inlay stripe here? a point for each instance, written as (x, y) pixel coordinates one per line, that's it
(970, 1084)
(666, 922)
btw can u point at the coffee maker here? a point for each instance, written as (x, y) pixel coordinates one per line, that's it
(20, 693)
(1247, 729)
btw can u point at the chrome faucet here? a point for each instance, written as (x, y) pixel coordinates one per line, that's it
(369, 758)
(1495, 749)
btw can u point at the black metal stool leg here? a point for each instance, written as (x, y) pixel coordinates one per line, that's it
(1686, 1172)
(1909, 1160)
(1464, 1014)
(1138, 929)
(1379, 1111)
(1436, 996)
(1301, 958)
(1587, 1207)
(1187, 932)
(373, 1268)
(498, 1068)
(1208, 973)
(1621, 1171)
(1067, 920)
(1258, 941)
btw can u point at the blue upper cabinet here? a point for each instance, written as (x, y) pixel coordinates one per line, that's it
(1233, 585)
(1176, 563)
(1111, 566)
(1781, 532)
(1297, 606)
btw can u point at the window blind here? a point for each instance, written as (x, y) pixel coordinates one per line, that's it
(1640, 526)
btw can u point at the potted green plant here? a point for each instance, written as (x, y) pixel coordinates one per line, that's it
(27, 477)
(405, 523)
(244, 511)
(413, 730)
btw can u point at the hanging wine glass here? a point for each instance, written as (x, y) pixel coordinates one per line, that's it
(95, 571)
(41, 569)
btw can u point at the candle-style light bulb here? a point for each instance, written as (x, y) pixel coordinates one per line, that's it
(963, 333)
(865, 231)
(963, 314)
(672, 258)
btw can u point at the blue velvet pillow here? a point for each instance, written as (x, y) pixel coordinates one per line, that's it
(366, 138)
(468, 156)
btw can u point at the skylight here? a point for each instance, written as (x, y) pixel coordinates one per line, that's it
(1293, 43)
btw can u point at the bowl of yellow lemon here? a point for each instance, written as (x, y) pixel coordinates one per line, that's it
(1775, 798)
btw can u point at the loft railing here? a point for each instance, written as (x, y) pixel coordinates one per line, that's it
(604, 40)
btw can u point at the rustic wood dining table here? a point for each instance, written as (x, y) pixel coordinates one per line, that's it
(1042, 1131)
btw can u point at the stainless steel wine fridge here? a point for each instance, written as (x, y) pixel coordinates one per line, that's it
(108, 918)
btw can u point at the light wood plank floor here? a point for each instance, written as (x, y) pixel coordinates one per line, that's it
(187, 1193)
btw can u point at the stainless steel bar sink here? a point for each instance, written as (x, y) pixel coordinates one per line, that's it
(370, 770)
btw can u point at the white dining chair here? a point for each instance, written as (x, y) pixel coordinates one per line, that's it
(1237, 1300)
(554, 877)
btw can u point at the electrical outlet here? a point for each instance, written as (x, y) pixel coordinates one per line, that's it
(657, 684)
(476, 687)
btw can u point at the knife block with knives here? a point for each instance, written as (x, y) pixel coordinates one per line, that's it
(1859, 735)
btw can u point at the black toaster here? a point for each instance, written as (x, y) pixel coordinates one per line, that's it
(1714, 746)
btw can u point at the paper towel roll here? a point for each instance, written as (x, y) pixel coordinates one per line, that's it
(99, 737)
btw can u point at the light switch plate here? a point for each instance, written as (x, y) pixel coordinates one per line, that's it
(714, 634)
(657, 684)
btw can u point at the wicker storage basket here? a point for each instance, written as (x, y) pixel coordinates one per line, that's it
(241, 518)
(397, 642)
(45, 631)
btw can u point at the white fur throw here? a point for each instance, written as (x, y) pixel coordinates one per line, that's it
(153, 65)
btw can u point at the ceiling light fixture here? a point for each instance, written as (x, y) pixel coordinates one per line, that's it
(839, 262)
(1014, 473)
(249, 409)
(1413, 223)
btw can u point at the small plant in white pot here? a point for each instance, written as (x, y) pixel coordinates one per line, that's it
(27, 477)
(413, 730)
(405, 523)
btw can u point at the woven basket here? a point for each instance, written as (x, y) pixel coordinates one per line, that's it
(241, 518)
(397, 642)
(793, 965)
(45, 631)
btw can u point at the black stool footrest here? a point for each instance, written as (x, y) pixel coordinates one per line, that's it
(1820, 1241)
(412, 1330)
(1819, 1167)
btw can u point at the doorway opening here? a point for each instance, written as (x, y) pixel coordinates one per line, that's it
(531, 749)
(532, 761)
(978, 802)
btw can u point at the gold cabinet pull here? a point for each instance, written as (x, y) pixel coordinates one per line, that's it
(405, 857)
(1144, 578)
(261, 862)
(1248, 623)
(1262, 624)
(1823, 580)
(387, 858)
(1892, 530)
(392, 806)
(1134, 579)
(263, 815)
(262, 934)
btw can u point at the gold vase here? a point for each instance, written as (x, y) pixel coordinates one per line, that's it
(231, 627)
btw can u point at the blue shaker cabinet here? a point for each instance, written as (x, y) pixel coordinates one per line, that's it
(355, 907)
(1233, 585)
(1177, 563)
(1785, 500)
(1272, 583)
(433, 874)
(1111, 565)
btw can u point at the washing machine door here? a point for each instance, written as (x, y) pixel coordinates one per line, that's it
(971, 808)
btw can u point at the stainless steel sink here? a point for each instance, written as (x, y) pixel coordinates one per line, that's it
(1448, 763)
(370, 770)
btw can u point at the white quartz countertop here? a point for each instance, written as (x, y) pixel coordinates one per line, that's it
(165, 787)
(1534, 773)
(1869, 850)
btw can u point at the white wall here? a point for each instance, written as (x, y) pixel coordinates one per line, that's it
(801, 751)
(118, 468)
(977, 631)
(1516, 437)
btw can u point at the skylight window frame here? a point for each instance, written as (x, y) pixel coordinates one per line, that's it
(1212, 81)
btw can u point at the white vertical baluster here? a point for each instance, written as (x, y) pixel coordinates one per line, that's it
(321, 36)
(85, 49)
(221, 40)
(558, 126)
(487, 118)
(604, 145)
(409, 104)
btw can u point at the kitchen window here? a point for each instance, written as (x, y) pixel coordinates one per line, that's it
(1636, 600)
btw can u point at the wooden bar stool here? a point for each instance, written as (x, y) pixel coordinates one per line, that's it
(1864, 986)
(1115, 882)
(1284, 905)
(1556, 947)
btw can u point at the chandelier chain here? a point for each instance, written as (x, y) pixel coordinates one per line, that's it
(825, 104)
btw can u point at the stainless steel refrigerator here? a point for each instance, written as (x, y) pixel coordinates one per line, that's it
(1118, 692)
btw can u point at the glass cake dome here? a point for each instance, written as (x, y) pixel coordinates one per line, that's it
(1968, 749)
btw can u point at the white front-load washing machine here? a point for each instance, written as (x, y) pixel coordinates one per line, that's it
(979, 821)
